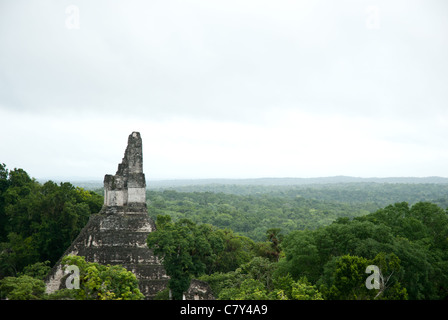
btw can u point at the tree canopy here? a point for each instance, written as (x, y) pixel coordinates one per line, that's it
(39, 221)
(288, 242)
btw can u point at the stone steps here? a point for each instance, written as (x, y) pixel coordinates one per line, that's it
(112, 255)
(124, 239)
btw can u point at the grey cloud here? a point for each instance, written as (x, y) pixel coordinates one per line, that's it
(224, 59)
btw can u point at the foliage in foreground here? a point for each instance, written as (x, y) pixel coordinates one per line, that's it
(408, 244)
(190, 250)
(412, 242)
(96, 282)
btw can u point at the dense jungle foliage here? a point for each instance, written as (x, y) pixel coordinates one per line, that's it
(247, 242)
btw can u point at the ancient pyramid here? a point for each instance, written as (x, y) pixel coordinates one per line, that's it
(117, 234)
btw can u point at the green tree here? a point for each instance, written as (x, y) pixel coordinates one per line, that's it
(391, 274)
(348, 279)
(302, 258)
(39, 221)
(23, 287)
(260, 269)
(304, 290)
(274, 237)
(16, 254)
(249, 289)
(186, 250)
(285, 288)
(38, 270)
(345, 278)
(219, 281)
(4, 185)
(236, 251)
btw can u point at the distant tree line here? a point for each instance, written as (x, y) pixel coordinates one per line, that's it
(376, 194)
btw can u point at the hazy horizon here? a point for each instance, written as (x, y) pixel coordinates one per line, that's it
(96, 180)
(225, 89)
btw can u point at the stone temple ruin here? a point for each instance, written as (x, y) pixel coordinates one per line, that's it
(117, 234)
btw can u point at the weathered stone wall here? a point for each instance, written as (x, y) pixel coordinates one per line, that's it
(198, 290)
(128, 185)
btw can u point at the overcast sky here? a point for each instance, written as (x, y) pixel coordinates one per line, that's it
(225, 88)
